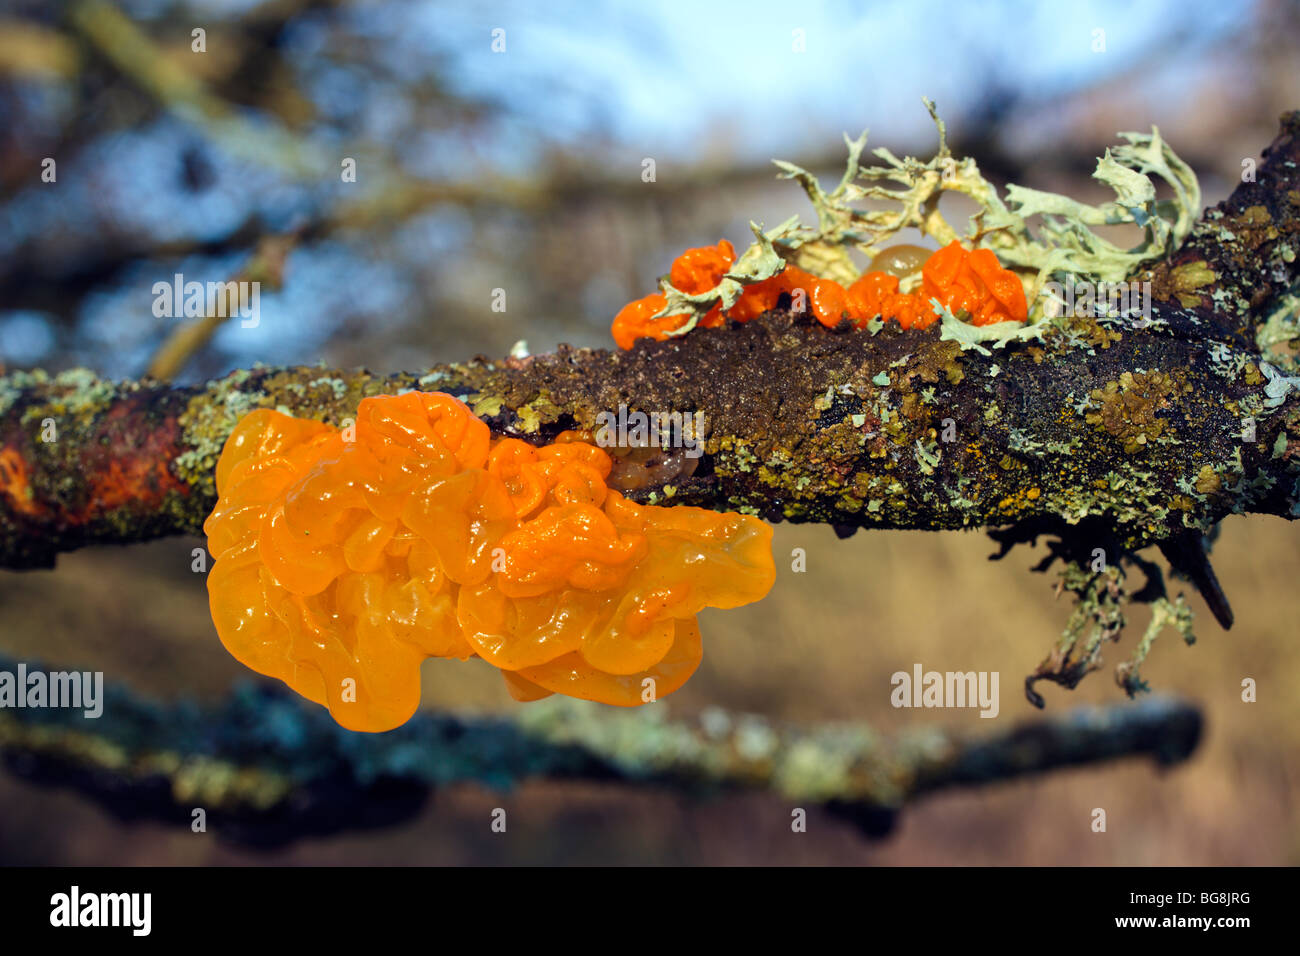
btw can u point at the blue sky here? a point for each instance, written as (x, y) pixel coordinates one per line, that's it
(668, 72)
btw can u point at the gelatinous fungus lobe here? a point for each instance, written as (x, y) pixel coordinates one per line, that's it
(971, 284)
(343, 561)
(693, 272)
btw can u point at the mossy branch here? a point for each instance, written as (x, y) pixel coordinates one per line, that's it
(269, 769)
(1137, 431)
(1112, 433)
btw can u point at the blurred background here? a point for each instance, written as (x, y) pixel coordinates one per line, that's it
(502, 147)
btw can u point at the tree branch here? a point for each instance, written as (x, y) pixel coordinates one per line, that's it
(267, 769)
(1131, 430)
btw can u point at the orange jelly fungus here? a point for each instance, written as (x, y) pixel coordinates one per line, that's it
(962, 280)
(342, 564)
(14, 484)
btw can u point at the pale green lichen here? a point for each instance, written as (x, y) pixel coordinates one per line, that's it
(336, 385)
(1165, 613)
(1278, 386)
(1066, 244)
(1281, 328)
(1063, 246)
(953, 329)
(928, 456)
(760, 261)
(15, 383)
(208, 421)
(79, 391)
(486, 406)
(1071, 246)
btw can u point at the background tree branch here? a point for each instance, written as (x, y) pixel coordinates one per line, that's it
(268, 770)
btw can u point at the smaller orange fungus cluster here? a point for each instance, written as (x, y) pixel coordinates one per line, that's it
(344, 560)
(964, 281)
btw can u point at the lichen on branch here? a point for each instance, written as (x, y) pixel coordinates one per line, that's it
(1064, 247)
(1117, 432)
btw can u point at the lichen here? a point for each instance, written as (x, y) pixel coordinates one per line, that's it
(1127, 408)
(1279, 329)
(1189, 277)
(851, 217)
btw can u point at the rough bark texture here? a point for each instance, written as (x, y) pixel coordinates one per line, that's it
(1130, 433)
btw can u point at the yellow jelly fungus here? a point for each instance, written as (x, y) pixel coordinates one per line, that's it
(340, 565)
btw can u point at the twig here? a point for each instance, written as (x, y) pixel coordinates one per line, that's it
(266, 265)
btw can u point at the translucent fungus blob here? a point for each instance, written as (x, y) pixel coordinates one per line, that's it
(971, 284)
(901, 260)
(343, 561)
(638, 467)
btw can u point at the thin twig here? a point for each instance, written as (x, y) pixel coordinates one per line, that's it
(266, 265)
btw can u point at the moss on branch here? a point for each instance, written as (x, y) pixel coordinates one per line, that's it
(1139, 429)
